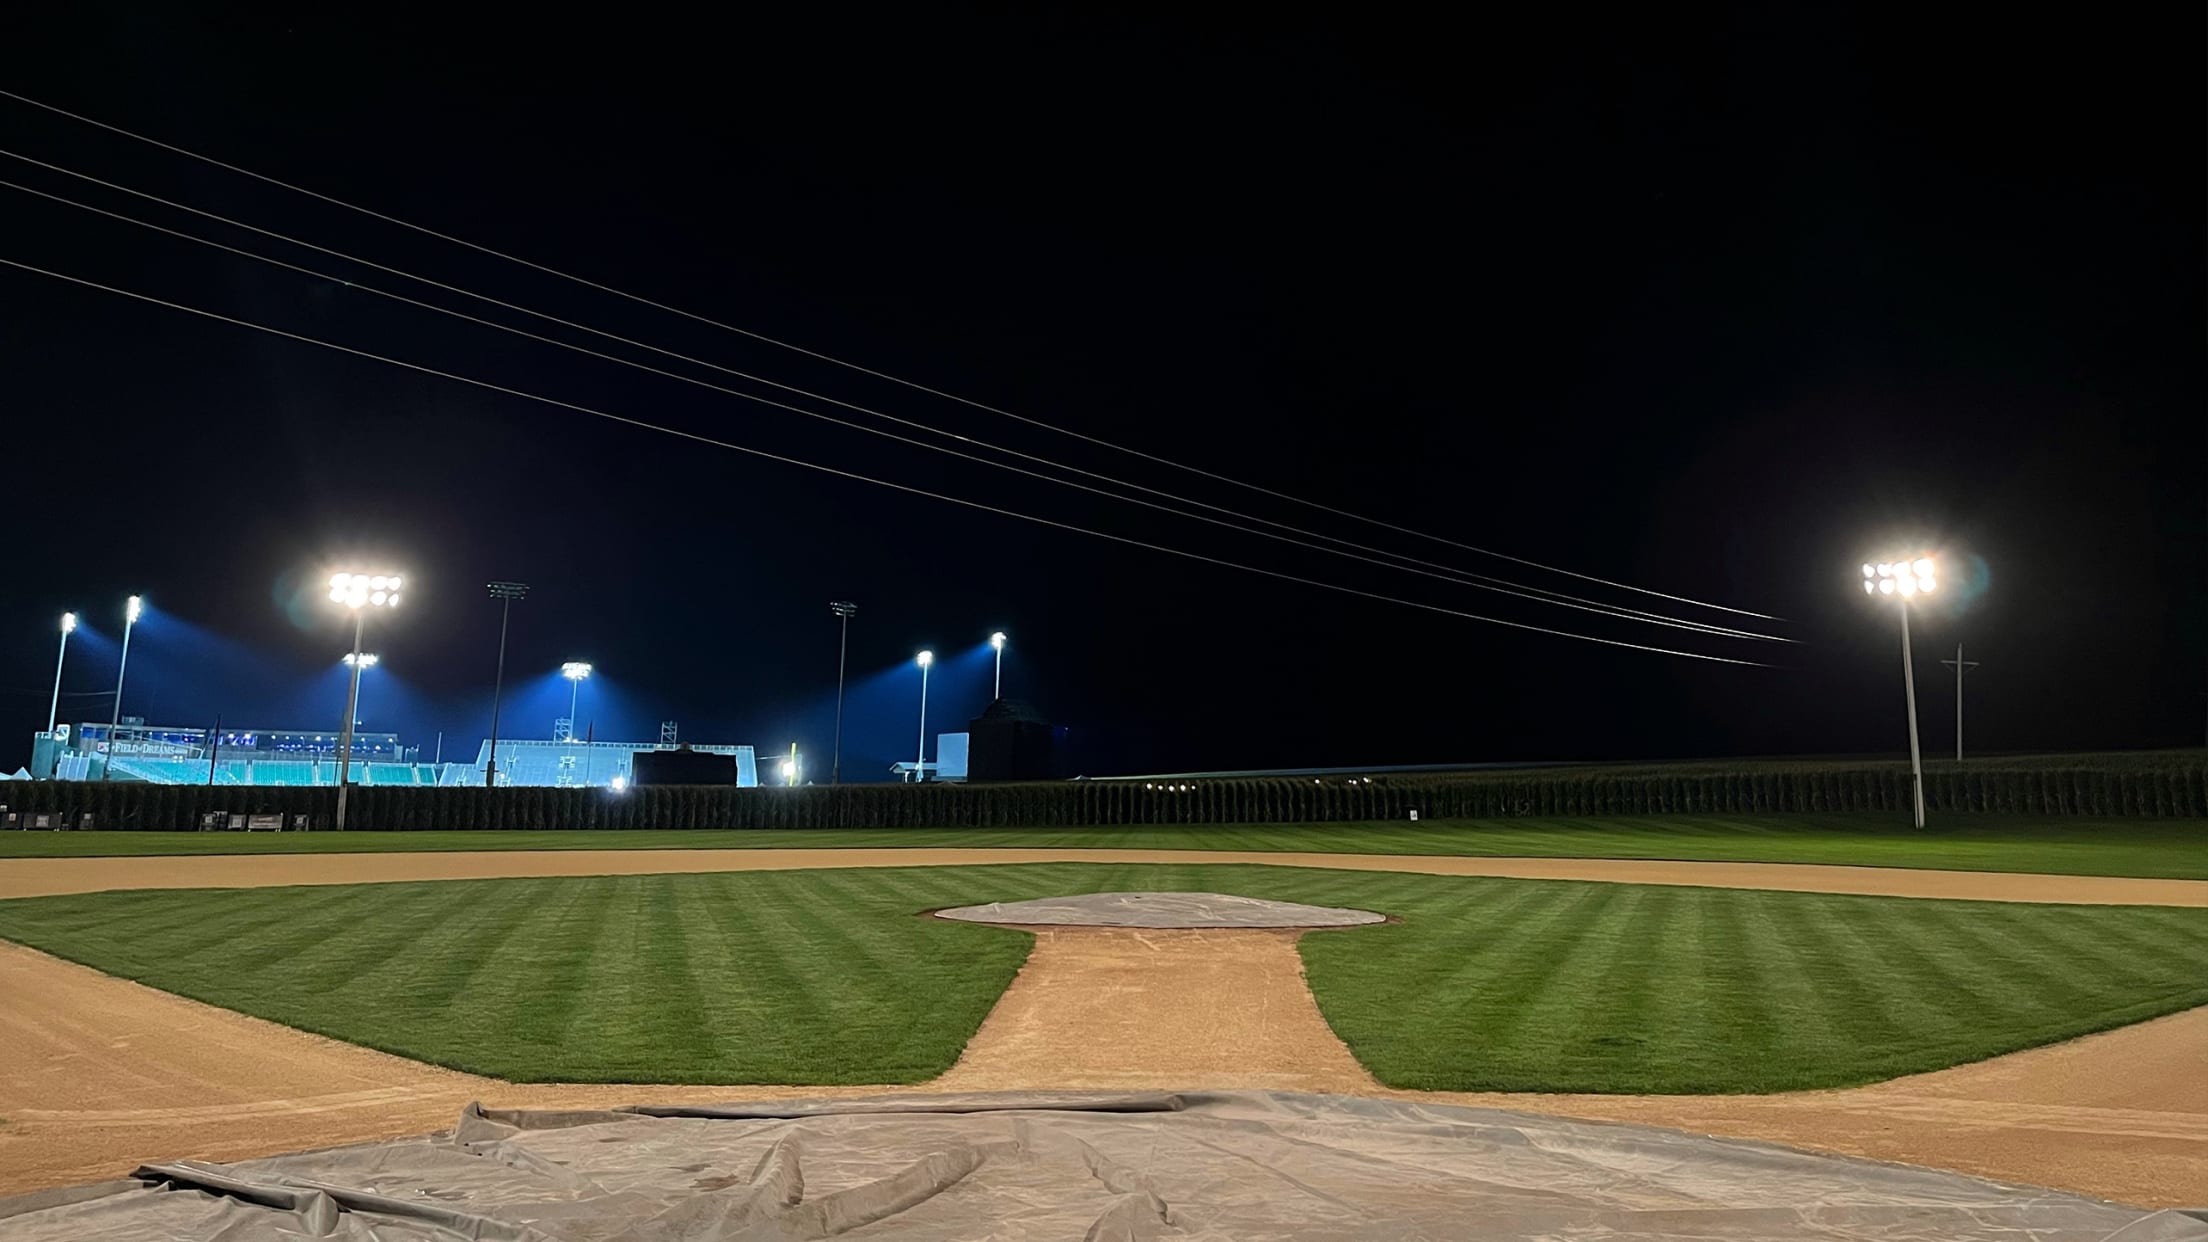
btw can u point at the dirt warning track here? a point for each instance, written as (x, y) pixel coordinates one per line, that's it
(38, 877)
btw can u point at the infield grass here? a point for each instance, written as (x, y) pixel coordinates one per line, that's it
(2160, 848)
(828, 977)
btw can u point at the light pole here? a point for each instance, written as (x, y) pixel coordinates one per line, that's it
(844, 610)
(363, 661)
(358, 592)
(505, 593)
(920, 768)
(68, 627)
(996, 640)
(575, 671)
(1905, 580)
(1961, 666)
(131, 610)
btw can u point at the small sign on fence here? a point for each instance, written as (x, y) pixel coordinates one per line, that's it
(264, 823)
(237, 823)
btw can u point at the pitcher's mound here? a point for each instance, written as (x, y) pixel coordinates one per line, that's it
(1160, 910)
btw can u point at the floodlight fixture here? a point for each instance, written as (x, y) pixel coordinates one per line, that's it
(996, 640)
(365, 590)
(366, 659)
(53, 709)
(619, 783)
(920, 764)
(358, 592)
(575, 670)
(1906, 579)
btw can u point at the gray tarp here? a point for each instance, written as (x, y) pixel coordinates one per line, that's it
(1239, 1165)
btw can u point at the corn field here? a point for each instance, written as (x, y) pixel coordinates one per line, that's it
(2163, 785)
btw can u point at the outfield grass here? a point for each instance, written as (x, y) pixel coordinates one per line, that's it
(2164, 848)
(828, 976)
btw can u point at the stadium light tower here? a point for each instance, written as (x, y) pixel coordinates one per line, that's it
(575, 671)
(505, 593)
(920, 768)
(131, 608)
(996, 640)
(68, 627)
(366, 660)
(844, 610)
(1904, 580)
(358, 592)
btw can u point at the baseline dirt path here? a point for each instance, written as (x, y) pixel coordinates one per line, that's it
(37, 877)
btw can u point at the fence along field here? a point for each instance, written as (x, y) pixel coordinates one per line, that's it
(2147, 785)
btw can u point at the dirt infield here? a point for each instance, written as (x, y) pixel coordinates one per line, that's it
(36, 877)
(101, 1073)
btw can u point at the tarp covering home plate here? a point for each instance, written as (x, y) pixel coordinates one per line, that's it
(1213, 1166)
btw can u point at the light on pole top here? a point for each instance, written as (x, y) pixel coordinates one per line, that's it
(508, 590)
(68, 623)
(368, 659)
(926, 658)
(575, 670)
(1905, 578)
(136, 605)
(997, 640)
(844, 608)
(365, 590)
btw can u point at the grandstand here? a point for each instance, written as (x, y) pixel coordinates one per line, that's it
(164, 755)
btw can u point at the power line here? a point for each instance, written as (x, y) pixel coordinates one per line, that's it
(1460, 577)
(780, 344)
(1476, 581)
(630, 421)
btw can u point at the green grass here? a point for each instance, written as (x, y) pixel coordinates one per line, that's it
(2169, 848)
(828, 976)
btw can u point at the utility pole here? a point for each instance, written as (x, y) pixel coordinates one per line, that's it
(845, 610)
(1961, 666)
(506, 593)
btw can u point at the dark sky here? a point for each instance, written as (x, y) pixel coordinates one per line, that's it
(1719, 303)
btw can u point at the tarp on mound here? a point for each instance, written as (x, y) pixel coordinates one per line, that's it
(1214, 1166)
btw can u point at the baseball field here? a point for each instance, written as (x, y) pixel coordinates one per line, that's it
(2015, 997)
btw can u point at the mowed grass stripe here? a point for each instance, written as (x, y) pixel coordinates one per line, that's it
(830, 977)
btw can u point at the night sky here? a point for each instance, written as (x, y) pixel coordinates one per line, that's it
(1718, 303)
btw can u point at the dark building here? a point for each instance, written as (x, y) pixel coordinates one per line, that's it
(1009, 742)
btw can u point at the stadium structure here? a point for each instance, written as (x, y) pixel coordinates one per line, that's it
(172, 755)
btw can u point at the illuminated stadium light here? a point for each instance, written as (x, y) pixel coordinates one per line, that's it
(575, 671)
(1904, 580)
(364, 590)
(132, 607)
(920, 766)
(367, 659)
(358, 592)
(619, 783)
(996, 640)
(53, 710)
